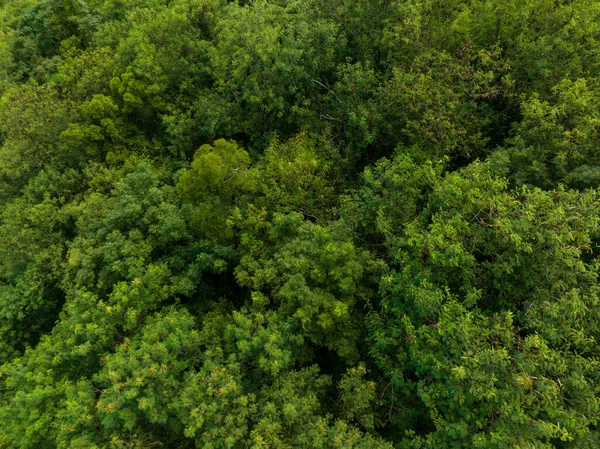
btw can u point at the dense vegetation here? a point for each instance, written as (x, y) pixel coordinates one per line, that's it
(299, 224)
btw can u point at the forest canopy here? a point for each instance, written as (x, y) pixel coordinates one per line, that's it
(307, 224)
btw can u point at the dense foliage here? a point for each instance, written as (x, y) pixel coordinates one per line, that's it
(299, 224)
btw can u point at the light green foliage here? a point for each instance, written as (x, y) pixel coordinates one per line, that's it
(488, 379)
(280, 224)
(167, 47)
(118, 234)
(392, 194)
(355, 104)
(264, 62)
(498, 301)
(311, 273)
(130, 91)
(32, 118)
(223, 406)
(139, 379)
(301, 175)
(546, 40)
(84, 74)
(362, 23)
(220, 169)
(31, 252)
(99, 114)
(219, 175)
(357, 395)
(44, 26)
(213, 406)
(557, 140)
(414, 27)
(439, 104)
(124, 264)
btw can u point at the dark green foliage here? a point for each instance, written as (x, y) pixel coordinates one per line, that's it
(265, 61)
(557, 140)
(299, 224)
(44, 27)
(304, 174)
(496, 299)
(313, 277)
(33, 118)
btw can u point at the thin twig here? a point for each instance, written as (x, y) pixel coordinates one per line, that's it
(330, 90)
